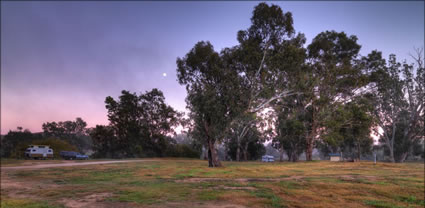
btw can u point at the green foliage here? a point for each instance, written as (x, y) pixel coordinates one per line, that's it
(242, 79)
(399, 103)
(104, 142)
(291, 137)
(67, 135)
(254, 149)
(14, 138)
(243, 139)
(403, 145)
(335, 73)
(56, 144)
(331, 48)
(181, 150)
(209, 87)
(74, 132)
(292, 125)
(138, 126)
(349, 128)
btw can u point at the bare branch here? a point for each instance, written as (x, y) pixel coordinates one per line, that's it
(278, 96)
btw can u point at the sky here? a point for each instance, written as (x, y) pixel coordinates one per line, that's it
(60, 60)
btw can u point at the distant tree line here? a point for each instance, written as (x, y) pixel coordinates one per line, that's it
(61, 136)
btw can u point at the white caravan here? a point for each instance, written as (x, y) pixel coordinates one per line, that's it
(38, 151)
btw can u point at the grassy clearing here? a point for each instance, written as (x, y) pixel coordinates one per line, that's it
(250, 184)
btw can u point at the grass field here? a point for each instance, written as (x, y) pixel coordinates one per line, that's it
(6, 162)
(189, 183)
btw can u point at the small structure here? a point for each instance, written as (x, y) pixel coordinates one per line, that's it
(335, 157)
(267, 158)
(38, 152)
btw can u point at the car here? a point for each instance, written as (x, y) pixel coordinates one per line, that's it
(267, 158)
(81, 157)
(70, 155)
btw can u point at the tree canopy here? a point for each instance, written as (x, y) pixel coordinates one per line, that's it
(139, 124)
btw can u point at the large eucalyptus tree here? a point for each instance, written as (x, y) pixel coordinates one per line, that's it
(244, 79)
(336, 74)
(399, 104)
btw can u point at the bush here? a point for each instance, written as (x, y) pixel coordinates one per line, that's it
(12, 139)
(56, 144)
(181, 150)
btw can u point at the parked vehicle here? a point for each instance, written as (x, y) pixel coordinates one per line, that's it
(267, 158)
(39, 152)
(82, 157)
(70, 155)
(335, 157)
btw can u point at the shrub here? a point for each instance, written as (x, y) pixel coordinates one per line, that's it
(56, 144)
(181, 150)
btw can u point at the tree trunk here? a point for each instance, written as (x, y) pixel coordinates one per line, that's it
(238, 149)
(225, 152)
(310, 143)
(281, 154)
(294, 156)
(391, 154)
(289, 153)
(310, 137)
(406, 154)
(245, 152)
(210, 164)
(309, 149)
(358, 152)
(392, 142)
(215, 162)
(403, 157)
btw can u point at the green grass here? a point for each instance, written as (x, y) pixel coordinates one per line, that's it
(209, 195)
(137, 196)
(23, 203)
(412, 200)
(272, 200)
(156, 183)
(380, 204)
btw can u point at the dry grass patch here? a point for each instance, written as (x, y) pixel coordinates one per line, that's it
(190, 183)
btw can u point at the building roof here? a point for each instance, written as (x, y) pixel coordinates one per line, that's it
(334, 154)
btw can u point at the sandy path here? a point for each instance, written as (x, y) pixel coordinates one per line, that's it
(54, 165)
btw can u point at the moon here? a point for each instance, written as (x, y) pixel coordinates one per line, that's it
(164, 74)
